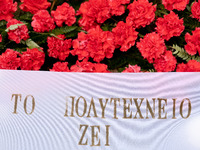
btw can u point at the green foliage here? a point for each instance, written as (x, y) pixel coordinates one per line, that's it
(31, 44)
(3, 23)
(191, 24)
(120, 60)
(13, 27)
(20, 50)
(180, 52)
(64, 30)
(1, 47)
(161, 11)
(26, 16)
(152, 70)
(39, 38)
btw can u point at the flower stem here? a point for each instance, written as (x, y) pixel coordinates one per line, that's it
(53, 5)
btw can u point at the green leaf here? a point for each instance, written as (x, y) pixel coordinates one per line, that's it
(180, 52)
(3, 23)
(64, 30)
(20, 50)
(151, 70)
(2, 47)
(51, 34)
(31, 44)
(13, 27)
(188, 8)
(26, 16)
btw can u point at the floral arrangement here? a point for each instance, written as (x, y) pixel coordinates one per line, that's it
(100, 35)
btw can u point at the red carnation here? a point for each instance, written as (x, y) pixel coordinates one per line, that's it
(193, 42)
(10, 60)
(86, 66)
(124, 36)
(42, 21)
(131, 68)
(80, 46)
(191, 66)
(195, 9)
(97, 44)
(175, 4)
(64, 13)
(60, 67)
(166, 63)
(95, 12)
(169, 26)
(59, 48)
(141, 13)
(0, 38)
(34, 6)
(7, 8)
(152, 46)
(117, 6)
(101, 44)
(21, 33)
(32, 59)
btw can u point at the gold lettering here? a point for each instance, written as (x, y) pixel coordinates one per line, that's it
(66, 111)
(94, 109)
(72, 109)
(174, 108)
(16, 99)
(85, 106)
(127, 108)
(162, 108)
(115, 106)
(103, 107)
(33, 104)
(83, 134)
(107, 135)
(149, 109)
(138, 108)
(95, 135)
(189, 108)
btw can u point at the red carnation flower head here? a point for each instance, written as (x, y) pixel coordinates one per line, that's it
(191, 66)
(7, 8)
(42, 21)
(100, 44)
(175, 4)
(151, 47)
(169, 26)
(117, 6)
(193, 42)
(86, 66)
(0, 38)
(97, 44)
(95, 12)
(166, 63)
(32, 59)
(64, 13)
(21, 33)
(132, 69)
(10, 59)
(60, 67)
(124, 36)
(195, 9)
(87, 21)
(59, 47)
(34, 6)
(141, 13)
(80, 46)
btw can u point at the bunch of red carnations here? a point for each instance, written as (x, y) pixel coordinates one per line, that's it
(100, 35)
